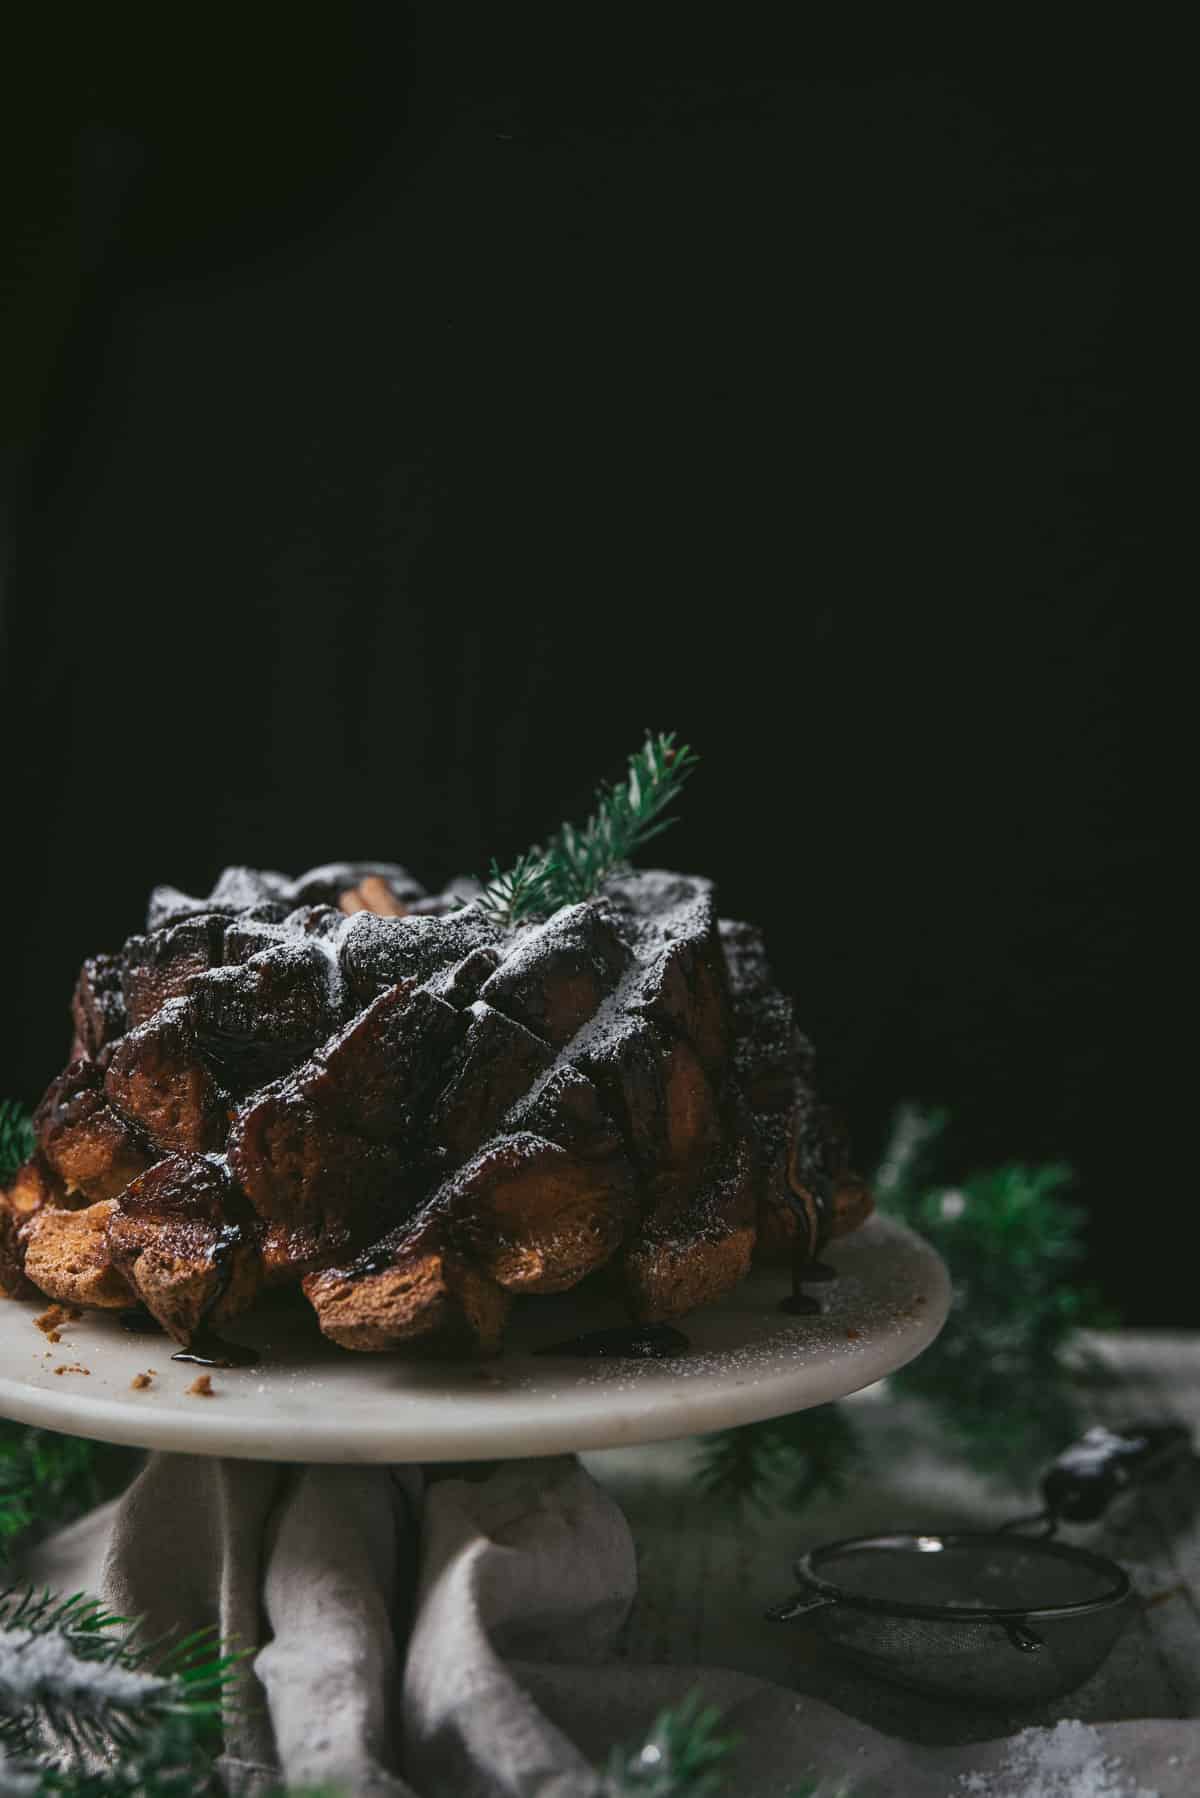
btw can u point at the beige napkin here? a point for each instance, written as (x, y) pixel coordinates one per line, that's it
(459, 1639)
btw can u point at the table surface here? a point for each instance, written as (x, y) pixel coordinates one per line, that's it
(707, 1575)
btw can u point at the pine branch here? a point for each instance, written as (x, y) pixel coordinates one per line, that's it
(525, 890)
(909, 1160)
(172, 1764)
(998, 1378)
(628, 814)
(679, 1758)
(47, 1480)
(16, 1138)
(784, 1462)
(75, 1679)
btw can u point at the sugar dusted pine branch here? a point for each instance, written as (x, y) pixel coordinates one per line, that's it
(75, 1681)
(627, 815)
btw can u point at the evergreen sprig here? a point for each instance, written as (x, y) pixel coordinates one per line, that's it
(680, 1758)
(76, 1680)
(1001, 1375)
(16, 1138)
(47, 1480)
(171, 1764)
(628, 814)
(785, 1461)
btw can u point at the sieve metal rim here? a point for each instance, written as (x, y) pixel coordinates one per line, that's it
(1119, 1590)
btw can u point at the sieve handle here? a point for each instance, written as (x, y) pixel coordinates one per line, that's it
(1024, 1638)
(798, 1605)
(1081, 1484)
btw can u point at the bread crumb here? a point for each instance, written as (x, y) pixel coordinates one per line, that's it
(202, 1386)
(853, 1335)
(48, 1321)
(73, 1368)
(140, 1381)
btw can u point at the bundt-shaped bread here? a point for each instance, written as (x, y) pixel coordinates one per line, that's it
(415, 1114)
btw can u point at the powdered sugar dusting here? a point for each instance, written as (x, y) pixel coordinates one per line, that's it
(1068, 1761)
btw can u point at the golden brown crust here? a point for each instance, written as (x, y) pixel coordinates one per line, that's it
(13, 1281)
(414, 1287)
(536, 1218)
(67, 1257)
(691, 1250)
(158, 1076)
(181, 1237)
(90, 1147)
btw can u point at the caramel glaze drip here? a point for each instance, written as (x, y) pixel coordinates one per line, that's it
(811, 1200)
(206, 1349)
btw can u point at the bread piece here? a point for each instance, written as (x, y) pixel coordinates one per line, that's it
(90, 1147)
(496, 1063)
(67, 1257)
(658, 1093)
(556, 975)
(329, 1187)
(13, 1282)
(159, 1077)
(682, 986)
(98, 1006)
(36, 1184)
(535, 1218)
(690, 1251)
(567, 1109)
(378, 1075)
(374, 953)
(33, 1186)
(262, 1018)
(182, 1236)
(157, 967)
(414, 1285)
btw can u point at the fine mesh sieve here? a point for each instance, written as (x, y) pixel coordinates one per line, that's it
(1003, 1617)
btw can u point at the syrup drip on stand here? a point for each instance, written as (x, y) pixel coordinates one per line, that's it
(641, 1342)
(813, 1205)
(206, 1349)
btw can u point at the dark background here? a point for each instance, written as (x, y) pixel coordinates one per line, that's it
(393, 433)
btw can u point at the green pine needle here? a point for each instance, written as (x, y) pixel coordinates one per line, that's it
(1000, 1381)
(628, 814)
(680, 1758)
(47, 1480)
(16, 1138)
(784, 1462)
(171, 1764)
(74, 1676)
(999, 1377)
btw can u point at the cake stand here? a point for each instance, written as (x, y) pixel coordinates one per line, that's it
(309, 1401)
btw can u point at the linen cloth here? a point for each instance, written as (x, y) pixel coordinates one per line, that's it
(460, 1638)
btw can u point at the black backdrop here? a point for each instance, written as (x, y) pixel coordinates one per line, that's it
(393, 442)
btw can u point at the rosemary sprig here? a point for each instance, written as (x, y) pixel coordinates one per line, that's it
(628, 814)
